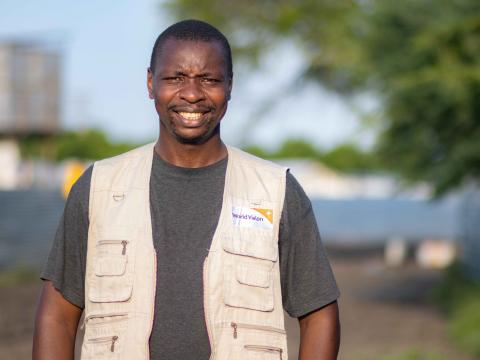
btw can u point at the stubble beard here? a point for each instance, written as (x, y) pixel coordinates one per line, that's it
(197, 140)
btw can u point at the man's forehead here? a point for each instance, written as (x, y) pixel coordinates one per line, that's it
(173, 50)
(174, 45)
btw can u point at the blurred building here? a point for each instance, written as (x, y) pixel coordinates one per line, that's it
(372, 209)
(29, 104)
(29, 89)
(9, 162)
(470, 237)
(320, 181)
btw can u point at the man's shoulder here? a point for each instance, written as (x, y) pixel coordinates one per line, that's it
(131, 154)
(121, 170)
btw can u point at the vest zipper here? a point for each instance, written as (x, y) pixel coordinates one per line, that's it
(205, 304)
(236, 325)
(270, 349)
(153, 301)
(122, 242)
(115, 316)
(106, 339)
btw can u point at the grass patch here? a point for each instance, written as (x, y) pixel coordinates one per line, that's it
(415, 354)
(18, 275)
(459, 297)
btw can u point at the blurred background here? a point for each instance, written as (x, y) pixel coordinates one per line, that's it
(374, 105)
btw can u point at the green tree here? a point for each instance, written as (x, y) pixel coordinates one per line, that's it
(421, 59)
(349, 158)
(296, 149)
(343, 157)
(90, 144)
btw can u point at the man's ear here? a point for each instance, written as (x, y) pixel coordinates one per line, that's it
(229, 90)
(150, 83)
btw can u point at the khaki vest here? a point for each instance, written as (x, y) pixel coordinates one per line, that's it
(242, 294)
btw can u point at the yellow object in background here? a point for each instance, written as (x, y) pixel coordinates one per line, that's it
(73, 170)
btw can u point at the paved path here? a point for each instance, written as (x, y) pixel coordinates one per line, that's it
(387, 311)
(383, 312)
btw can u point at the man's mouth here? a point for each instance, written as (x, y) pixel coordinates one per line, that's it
(190, 115)
(191, 119)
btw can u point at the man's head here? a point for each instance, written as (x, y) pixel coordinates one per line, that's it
(190, 78)
(193, 30)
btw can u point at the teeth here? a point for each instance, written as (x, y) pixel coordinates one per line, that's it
(190, 116)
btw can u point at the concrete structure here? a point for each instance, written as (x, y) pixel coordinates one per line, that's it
(9, 164)
(29, 89)
(321, 182)
(470, 237)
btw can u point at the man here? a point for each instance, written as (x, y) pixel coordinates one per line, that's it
(187, 248)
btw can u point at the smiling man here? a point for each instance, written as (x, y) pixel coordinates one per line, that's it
(187, 248)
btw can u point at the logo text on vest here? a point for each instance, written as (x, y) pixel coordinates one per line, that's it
(252, 217)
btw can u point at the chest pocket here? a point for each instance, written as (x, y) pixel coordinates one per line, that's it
(249, 266)
(255, 243)
(249, 286)
(112, 277)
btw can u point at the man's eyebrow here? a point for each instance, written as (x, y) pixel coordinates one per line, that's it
(210, 74)
(179, 73)
(201, 75)
(167, 74)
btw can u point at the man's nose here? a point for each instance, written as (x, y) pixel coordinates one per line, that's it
(192, 91)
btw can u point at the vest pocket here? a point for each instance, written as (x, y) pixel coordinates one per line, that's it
(111, 281)
(262, 352)
(252, 341)
(101, 346)
(104, 336)
(256, 243)
(111, 265)
(249, 286)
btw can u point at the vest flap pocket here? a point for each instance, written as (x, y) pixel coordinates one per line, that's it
(263, 352)
(255, 341)
(111, 265)
(112, 247)
(249, 287)
(110, 288)
(105, 319)
(104, 342)
(257, 243)
(252, 276)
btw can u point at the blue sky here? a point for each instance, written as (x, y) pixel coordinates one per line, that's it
(106, 46)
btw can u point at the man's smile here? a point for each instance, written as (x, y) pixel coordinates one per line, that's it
(191, 119)
(191, 115)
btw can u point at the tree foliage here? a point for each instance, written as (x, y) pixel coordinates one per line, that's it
(344, 157)
(421, 58)
(83, 145)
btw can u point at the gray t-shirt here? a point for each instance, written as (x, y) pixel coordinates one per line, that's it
(185, 208)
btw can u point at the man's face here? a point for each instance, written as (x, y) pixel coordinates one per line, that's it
(191, 89)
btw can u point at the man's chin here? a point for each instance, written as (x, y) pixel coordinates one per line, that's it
(196, 139)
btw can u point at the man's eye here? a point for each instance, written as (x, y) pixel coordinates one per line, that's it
(210, 80)
(173, 79)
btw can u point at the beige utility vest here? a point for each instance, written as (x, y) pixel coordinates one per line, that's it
(241, 277)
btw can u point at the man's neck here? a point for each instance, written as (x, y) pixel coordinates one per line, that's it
(190, 155)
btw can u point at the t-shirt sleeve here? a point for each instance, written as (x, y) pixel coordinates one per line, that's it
(307, 279)
(66, 263)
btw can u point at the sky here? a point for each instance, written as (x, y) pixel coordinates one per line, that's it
(106, 48)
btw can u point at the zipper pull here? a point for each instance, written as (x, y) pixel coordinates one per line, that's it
(281, 352)
(124, 250)
(234, 326)
(114, 338)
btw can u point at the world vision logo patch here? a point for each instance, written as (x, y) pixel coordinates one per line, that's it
(252, 217)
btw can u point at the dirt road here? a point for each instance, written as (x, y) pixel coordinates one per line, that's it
(383, 312)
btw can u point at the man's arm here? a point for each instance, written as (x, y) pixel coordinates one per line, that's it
(320, 334)
(55, 326)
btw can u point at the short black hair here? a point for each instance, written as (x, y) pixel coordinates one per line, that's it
(193, 30)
